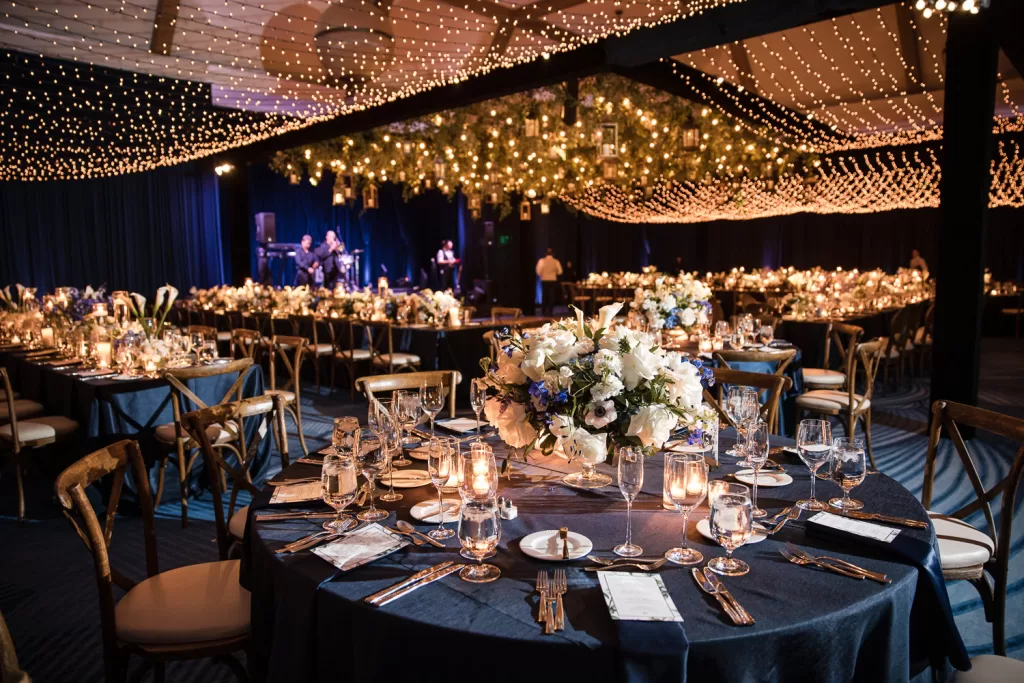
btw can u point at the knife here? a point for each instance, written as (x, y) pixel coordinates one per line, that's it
(706, 586)
(420, 578)
(720, 587)
(878, 517)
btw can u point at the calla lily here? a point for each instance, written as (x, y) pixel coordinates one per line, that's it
(579, 322)
(140, 303)
(607, 314)
(161, 294)
(172, 295)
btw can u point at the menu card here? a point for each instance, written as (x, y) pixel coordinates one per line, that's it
(637, 597)
(297, 493)
(362, 546)
(855, 526)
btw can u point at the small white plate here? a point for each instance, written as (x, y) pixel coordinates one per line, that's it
(418, 453)
(546, 545)
(427, 511)
(704, 529)
(407, 479)
(766, 479)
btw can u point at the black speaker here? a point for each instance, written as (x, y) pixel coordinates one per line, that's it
(266, 228)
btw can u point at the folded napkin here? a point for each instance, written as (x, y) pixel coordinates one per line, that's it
(935, 631)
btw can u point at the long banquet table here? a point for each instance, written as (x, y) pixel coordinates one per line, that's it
(309, 621)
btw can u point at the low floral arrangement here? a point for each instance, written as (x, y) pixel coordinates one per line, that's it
(682, 303)
(432, 307)
(152, 319)
(593, 385)
(21, 301)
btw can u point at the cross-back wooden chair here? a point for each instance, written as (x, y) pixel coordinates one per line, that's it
(290, 350)
(964, 551)
(493, 347)
(774, 385)
(209, 333)
(505, 315)
(319, 337)
(374, 384)
(782, 358)
(845, 338)
(847, 404)
(347, 352)
(10, 670)
(383, 356)
(899, 346)
(186, 613)
(173, 436)
(198, 423)
(20, 436)
(922, 337)
(245, 343)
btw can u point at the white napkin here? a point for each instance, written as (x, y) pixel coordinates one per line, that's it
(297, 493)
(362, 546)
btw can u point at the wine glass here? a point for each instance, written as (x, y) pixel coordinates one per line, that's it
(756, 450)
(391, 440)
(814, 442)
(195, 343)
(848, 469)
(372, 460)
(432, 399)
(338, 485)
(686, 484)
(736, 340)
(477, 399)
(631, 480)
(731, 525)
(407, 410)
(766, 334)
(479, 533)
(722, 329)
(345, 437)
(208, 351)
(440, 465)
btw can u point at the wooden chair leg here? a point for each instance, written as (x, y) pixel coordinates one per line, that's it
(21, 488)
(182, 483)
(316, 370)
(160, 471)
(334, 373)
(851, 426)
(296, 413)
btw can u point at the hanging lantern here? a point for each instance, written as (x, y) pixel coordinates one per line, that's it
(532, 125)
(609, 169)
(545, 207)
(609, 143)
(439, 167)
(370, 198)
(690, 137)
(525, 211)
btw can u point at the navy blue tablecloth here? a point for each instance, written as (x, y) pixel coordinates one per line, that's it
(309, 622)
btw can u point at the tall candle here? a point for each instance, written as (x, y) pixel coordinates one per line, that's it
(47, 337)
(103, 354)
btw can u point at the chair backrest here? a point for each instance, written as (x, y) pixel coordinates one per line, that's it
(845, 337)
(70, 488)
(868, 355)
(899, 331)
(10, 671)
(380, 341)
(505, 314)
(773, 384)
(290, 350)
(197, 421)
(205, 330)
(783, 357)
(493, 347)
(12, 415)
(245, 343)
(410, 380)
(180, 392)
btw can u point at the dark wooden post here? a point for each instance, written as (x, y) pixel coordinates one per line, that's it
(236, 224)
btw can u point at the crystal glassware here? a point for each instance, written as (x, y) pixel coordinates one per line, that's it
(686, 484)
(440, 465)
(478, 481)
(756, 450)
(372, 460)
(195, 343)
(345, 436)
(848, 469)
(722, 329)
(208, 351)
(766, 335)
(479, 533)
(731, 525)
(814, 443)
(338, 485)
(432, 399)
(391, 440)
(407, 410)
(631, 480)
(477, 399)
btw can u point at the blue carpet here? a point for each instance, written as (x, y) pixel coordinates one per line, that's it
(47, 585)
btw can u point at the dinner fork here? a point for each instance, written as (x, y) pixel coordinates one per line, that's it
(650, 567)
(796, 559)
(560, 587)
(544, 613)
(875, 576)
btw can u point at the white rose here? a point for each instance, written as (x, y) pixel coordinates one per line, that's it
(668, 302)
(513, 427)
(563, 347)
(533, 364)
(688, 317)
(683, 388)
(589, 447)
(653, 425)
(565, 377)
(610, 388)
(638, 365)
(584, 346)
(508, 367)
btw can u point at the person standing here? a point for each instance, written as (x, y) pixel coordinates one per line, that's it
(305, 261)
(917, 262)
(548, 270)
(446, 261)
(329, 254)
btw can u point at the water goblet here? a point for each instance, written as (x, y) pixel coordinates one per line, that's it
(686, 484)
(479, 533)
(722, 329)
(208, 351)
(814, 443)
(440, 466)
(477, 399)
(195, 343)
(345, 437)
(757, 449)
(338, 485)
(731, 525)
(848, 469)
(631, 480)
(372, 459)
(432, 395)
(407, 410)
(766, 335)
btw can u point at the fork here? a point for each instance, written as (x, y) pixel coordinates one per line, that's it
(875, 576)
(642, 567)
(796, 559)
(560, 587)
(544, 613)
(306, 542)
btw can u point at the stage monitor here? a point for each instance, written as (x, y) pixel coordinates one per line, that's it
(266, 229)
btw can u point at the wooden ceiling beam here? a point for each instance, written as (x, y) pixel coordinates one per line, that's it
(163, 27)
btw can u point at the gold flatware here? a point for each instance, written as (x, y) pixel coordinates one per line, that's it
(709, 588)
(559, 588)
(406, 581)
(879, 517)
(720, 588)
(420, 583)
(308, 542)
(285, 516)
(632, 560)
(797, 559)
(410, 529)
(290, 482)
(874, 576)
(544, 614)
(644, 567)
(563, 534)
(309, 461)
(416, 540)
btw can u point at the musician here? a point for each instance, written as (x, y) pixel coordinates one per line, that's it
(305, 261)
(446, 261)
(330, 254)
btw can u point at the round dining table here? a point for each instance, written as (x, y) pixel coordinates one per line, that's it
(310, 621)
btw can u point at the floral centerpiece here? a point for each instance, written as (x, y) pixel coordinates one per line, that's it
(682, 303)
(432, 307)
(152, 320)
(592, 385)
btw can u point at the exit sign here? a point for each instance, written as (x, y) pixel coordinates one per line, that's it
(503, 240)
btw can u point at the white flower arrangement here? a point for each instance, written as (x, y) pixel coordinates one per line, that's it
(679, 303)
(592, 385)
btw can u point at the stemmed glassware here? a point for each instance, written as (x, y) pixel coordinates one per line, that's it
(372, 459)
(757, 448)
(407, 410)
(432, 399)
(345, 437)
(440, 464)
(848, 469)
(686, 484)
(391, 441)
(479, 473)
(814, 442)
(477, 399)
(722, 329)
(631, 480)
(195, 343)
(479, 533)
(338, 485)
(766, 335)
(731, 525)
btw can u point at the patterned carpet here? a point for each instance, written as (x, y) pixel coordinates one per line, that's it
(48, 593)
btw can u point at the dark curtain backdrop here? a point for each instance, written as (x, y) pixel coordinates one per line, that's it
(132, 232)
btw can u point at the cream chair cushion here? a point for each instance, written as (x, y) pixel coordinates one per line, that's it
(224, 336)
(397, 359)
(236, 525)
(822, 377)
(827, 399)
(193, 604)
(960, 544)
(165, 433)
(322, 349)
(23, 408)
(354, 354)
(40, 428)
(991, 669)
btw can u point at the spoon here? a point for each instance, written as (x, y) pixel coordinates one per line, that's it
(410, 529)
